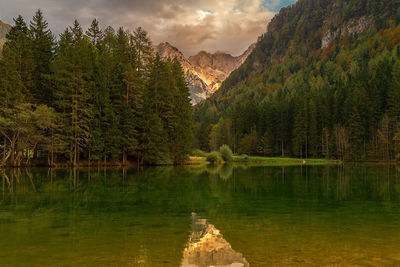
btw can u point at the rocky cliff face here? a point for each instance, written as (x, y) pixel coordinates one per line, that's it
(204, 72)
(351, 27)
(4, 28)
(215, 68)
(197, 87)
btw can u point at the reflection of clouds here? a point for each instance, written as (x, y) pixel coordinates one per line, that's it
(207, 247)
(228, 25)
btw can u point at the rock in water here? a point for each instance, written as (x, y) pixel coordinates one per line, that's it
(207, 247)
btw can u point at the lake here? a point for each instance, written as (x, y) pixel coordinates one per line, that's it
(200, 215)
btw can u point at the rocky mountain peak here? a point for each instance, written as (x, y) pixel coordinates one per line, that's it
(166, 49)
(216, 67)
(204, 71)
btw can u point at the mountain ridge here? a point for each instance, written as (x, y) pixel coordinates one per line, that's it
(204, 72)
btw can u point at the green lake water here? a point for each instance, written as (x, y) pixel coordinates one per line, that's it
(265, 216)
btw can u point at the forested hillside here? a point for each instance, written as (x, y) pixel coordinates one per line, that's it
(323, 81)
(91, 97)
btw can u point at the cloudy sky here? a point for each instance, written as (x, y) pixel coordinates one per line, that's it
(190, 25)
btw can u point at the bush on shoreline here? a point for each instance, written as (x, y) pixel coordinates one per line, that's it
(214, 157)
(226, 153)
(199, 153)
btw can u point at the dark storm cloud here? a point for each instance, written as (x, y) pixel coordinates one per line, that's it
(191, 25)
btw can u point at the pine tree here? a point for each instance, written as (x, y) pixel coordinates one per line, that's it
(182, 131)
(15, 82)
(300, 130)
(18, 52)
(143, 47)
(122, 93)
(73, 73)
(42, 52)
(94, 33)
(153, 148)
(106, 127)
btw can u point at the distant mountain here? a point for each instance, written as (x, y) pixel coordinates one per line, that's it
(198, 88)
(4, 28)
(204, 72)
(215, 68)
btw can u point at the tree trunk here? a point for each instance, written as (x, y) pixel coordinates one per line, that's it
(306, 147)
(78, 154)
(52, 148)
(75, 152)
(71, 157)
(28, 158)
(127, 92)
(4, 148)
(124, 156)
(12, 148)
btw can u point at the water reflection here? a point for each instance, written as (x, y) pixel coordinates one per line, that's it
(304, 182)
(223, 172)
(207, 247)
(301, 215)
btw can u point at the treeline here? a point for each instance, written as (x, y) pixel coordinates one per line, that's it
(94, 97)
(341, 102)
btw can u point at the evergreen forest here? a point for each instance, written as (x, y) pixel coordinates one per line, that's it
(98, 97)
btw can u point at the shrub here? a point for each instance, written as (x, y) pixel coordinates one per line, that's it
(245, 157)
(199, 153)
(226, 153)
(213, 157)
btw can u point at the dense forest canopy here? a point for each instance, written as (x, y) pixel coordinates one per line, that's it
(90, 97)
(323, 81)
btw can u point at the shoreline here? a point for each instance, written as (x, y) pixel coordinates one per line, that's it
(198, 161)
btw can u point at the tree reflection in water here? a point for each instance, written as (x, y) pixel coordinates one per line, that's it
(299, 215)
(207, 247)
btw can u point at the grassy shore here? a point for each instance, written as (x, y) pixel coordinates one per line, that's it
(270, 161)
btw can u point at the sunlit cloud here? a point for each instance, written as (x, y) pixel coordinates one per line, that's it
(191, 25)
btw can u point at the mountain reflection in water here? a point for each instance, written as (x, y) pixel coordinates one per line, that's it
(207, 247)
